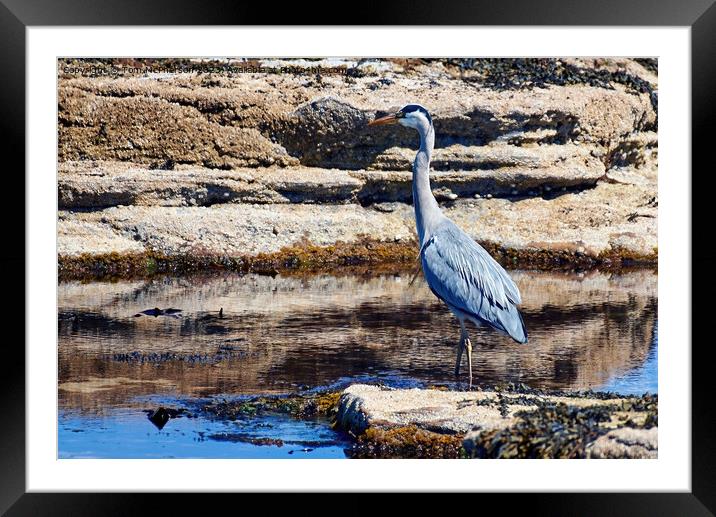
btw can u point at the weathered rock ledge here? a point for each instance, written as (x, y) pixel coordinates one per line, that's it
(586, 229)
(509, 423)
(275, 219)
(546, 162)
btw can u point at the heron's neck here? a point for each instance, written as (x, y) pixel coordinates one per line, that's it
(427, 211)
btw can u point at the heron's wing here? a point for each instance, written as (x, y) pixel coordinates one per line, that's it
(461, 273)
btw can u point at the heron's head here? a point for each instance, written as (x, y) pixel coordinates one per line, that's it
(412, 115)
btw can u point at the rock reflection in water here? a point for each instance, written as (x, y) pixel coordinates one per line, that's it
(286, 333)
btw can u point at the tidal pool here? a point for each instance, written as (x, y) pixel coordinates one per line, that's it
(242, 335)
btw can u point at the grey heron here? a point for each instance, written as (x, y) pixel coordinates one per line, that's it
(457, 269)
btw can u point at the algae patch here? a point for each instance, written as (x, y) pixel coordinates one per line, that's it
(406, 442)
(302, 256)
(324, 404)
(309, 257)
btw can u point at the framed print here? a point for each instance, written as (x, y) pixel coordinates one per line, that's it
(360, 258)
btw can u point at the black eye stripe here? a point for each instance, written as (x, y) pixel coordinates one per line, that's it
(415, 107)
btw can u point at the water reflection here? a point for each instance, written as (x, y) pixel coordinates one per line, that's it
(282, 334)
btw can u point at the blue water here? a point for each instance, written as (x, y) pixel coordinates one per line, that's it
(128, 433)
(640, 380)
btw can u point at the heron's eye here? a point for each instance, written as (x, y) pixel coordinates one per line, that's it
(400, 114)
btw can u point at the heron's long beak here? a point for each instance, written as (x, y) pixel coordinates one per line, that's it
(389, 119)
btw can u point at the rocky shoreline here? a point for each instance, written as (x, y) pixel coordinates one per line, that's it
(547, 163)
(506, 422)
(511, 421)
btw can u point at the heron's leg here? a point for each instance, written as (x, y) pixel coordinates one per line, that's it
(468, 346)
(460, 346)
(459, 357)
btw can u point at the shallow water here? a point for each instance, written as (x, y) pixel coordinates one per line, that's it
(127, 433)
(287, 334)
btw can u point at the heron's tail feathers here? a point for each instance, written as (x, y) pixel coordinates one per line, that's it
(513, 324)
(519, 333)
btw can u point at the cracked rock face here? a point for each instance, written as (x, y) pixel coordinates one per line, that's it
(531, 155)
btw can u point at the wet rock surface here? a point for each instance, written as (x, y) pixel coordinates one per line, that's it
(563, 153)
(501, 422)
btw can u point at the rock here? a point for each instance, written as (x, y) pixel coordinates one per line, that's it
(228, 230)
(635, 67)
(497, 423)
(159, 418)
(162, 415)
(145, 129)
(626, 443)
(285, 120)
(102, 184)
(94, 236)
(493, 117)
(599, 222)
(448, 412)
(572, 143)
(99, 184)
(624, 177)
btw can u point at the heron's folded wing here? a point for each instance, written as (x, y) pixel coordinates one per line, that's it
(465, 276)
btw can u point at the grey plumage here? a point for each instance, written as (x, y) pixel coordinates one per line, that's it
(462, 274)
(458, 270)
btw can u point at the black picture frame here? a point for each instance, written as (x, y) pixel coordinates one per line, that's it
(699, 15)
